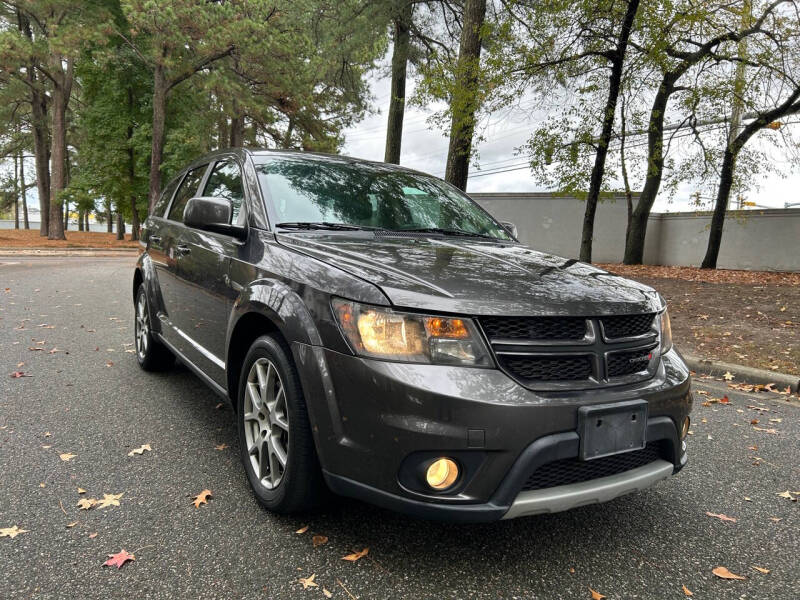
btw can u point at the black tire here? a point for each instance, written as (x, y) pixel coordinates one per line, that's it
(301, 486)
(151, 354)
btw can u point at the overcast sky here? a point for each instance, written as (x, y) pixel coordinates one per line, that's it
(425, 149)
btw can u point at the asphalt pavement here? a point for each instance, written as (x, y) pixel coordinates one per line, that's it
(86, 396)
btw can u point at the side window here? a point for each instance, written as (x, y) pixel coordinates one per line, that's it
(187, 190)
(225, 181)
(166, 196)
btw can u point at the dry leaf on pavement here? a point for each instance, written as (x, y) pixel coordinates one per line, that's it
(596, 595)
(319, 540)
(356, 555)
(201, 498)
(220, 447)
(81, 490)
(303, 529)
(308, 581)
(788, 495)
(687, 591)
(724, 573)
(109, 500)
(721, 517)
(327, 593)
(728, 376)
(18, 374)
(86, 503)
(118, 559)
(140, 449)
(761, 569)
(11, 532)
(67, 456)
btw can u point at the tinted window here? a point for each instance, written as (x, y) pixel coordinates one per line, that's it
(225, 181)
(187, 190)
(165, 197)
(311, 190)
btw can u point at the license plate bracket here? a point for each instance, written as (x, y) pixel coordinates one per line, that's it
(607, 429)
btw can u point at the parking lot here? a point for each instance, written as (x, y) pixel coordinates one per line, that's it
(66, 325)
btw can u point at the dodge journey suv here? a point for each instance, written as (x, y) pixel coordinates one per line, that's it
(383, 337)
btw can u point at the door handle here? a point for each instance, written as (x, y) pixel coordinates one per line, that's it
(156, 239)
(183, 249)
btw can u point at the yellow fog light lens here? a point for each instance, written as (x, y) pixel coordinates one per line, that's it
(685, 427)
(442, 473)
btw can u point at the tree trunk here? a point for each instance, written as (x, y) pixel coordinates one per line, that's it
(624, 167)
(41, 136)
(720, 208)
(598, 170)
(58, 153)
(86, 217)
(397, 99)
(634, 244)
(464, 104)
(159, 119)
(16, 191)
(80, 219)
(287, 138)
(24, 192)
(120, 226)
(66, 215)
(109, 218)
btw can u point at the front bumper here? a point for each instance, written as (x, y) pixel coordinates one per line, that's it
(375, 421)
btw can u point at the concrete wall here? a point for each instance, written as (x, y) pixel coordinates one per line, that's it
(753, 239)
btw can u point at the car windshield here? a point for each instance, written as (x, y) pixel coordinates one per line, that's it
(313, 193)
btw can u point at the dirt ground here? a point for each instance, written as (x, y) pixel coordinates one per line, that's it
(30, 238)
(743, 317)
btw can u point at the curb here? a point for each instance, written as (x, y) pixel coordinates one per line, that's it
(742, 372)
(55, 251)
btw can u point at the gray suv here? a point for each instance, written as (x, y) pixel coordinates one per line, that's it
(383, 337)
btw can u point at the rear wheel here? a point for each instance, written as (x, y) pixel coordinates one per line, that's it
(151, 353)
(277, 447)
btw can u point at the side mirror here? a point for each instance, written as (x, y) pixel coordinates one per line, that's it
(212, 214)
(510, 228)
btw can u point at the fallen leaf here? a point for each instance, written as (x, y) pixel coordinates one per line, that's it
(67, 456)
(71, 525)
(109, 363)
(748, 499)
(724, 573)
(18, 374)
(326, 593)
(721, 517)
(761, 569)
(201, 498)
(788, 495)
(775, 519)
(356, 555)
(11, 532)
(86, 503)
(319, 540)
(596, 595)
(140, 449)
(221, 447)
(118, 559)
(754, 422)
(728, 376)
(724, 400)
(770, 430)
(92, 535)
(81, 491)
(687, 592)
(308, 581)
(303, 529)
(109, 500)
(220, 405)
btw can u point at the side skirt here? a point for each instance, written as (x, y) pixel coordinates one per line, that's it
(195, 369)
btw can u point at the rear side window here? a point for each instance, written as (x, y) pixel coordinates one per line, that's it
(225, 181)
(166, 196)
(187, 190)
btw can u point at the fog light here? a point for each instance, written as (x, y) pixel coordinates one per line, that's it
(685, 428)
(442, 473)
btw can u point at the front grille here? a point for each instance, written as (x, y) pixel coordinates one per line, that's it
(549, 368)
(573, 470)
(627, 325)
(628, 363)
(535, 328)
(575, 352)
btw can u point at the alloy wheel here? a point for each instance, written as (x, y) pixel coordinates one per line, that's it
(266, 423)
(142, 327)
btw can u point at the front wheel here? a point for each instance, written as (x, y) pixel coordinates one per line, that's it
(151, 353)
(277, 447)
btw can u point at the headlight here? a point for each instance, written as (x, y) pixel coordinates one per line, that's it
(378, 332)
(666, 332)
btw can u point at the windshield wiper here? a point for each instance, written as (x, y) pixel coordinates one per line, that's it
(310, 225)
(458, 232)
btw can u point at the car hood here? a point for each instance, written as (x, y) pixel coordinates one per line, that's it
(468, 276)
